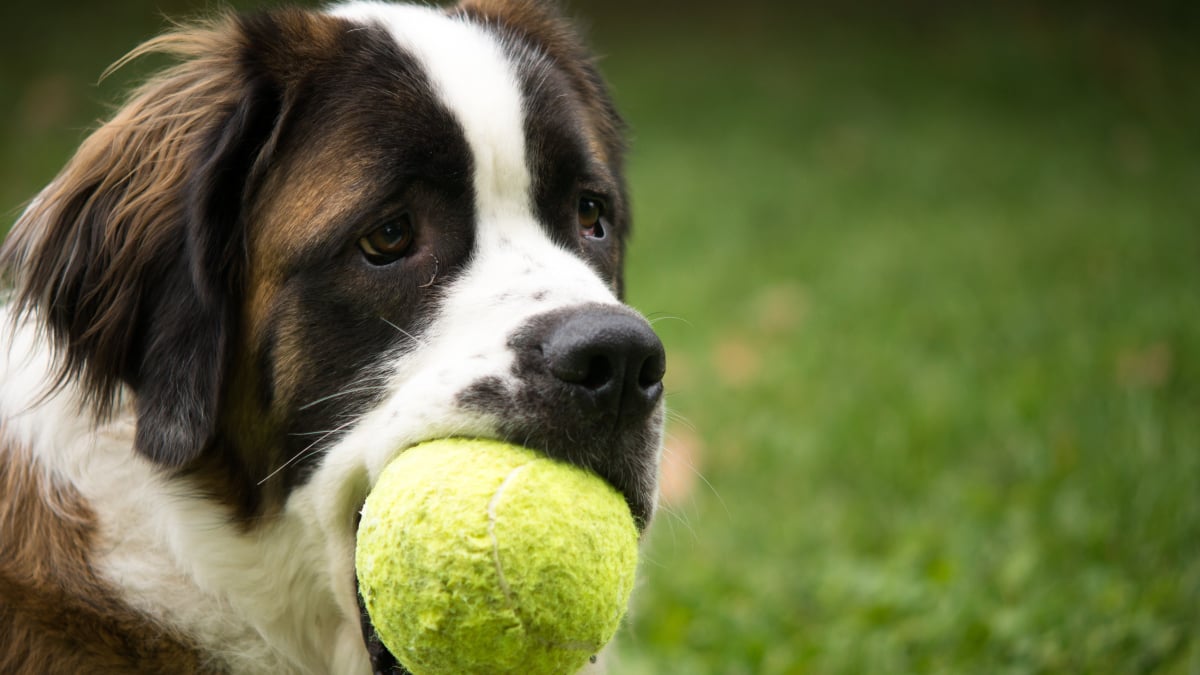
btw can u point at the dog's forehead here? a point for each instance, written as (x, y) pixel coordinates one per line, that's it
(475, 80)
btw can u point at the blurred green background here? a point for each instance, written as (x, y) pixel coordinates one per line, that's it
(929, 278)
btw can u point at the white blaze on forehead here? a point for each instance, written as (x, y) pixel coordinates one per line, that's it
(475, 80)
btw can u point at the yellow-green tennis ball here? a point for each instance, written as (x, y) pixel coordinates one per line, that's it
(481, 557)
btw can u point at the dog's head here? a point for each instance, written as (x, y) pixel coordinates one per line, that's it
(324, 237)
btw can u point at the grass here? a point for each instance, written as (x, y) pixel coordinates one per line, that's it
(939, 361)
(930, 287)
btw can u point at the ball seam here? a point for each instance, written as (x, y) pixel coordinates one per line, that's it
(491, 528)
(493, 505)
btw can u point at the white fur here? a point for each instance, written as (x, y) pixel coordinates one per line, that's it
(281, 599)
(173, 554)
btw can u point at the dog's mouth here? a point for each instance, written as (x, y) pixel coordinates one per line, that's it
(626, 478)
(383, 662)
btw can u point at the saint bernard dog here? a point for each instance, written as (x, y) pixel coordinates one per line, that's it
(317, 239)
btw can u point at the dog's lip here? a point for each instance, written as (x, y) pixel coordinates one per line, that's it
(641, 510)
(383, 662)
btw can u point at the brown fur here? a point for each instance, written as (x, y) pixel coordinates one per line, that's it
(88, 274)
(56, 616)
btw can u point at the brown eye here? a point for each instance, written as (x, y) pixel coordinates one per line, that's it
(389, 243)
(591, 211)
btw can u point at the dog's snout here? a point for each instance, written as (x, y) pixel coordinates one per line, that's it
(586, 388)
(610, 358)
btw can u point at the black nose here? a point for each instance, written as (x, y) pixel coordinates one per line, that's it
(609, 357)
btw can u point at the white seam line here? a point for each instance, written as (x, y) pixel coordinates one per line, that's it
(512, 475)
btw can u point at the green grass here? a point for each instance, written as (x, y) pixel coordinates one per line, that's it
(958, 277)
(930, 287)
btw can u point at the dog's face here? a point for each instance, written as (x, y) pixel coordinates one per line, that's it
(426, 232)
(324, 238)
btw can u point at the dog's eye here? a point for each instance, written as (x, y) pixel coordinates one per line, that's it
(591, 213)
(389, 243)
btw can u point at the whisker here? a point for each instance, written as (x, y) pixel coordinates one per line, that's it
(677, 417)
(306, 452)
(674, 515)
(344, 392)
(711, 487)
(658, 316)
(403, 332)
(313, 433)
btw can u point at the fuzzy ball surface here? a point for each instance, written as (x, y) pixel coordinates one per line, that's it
(477, 556)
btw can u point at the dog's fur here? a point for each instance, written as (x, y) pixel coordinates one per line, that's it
(203, 367)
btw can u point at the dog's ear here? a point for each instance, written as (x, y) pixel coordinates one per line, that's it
(130, 257)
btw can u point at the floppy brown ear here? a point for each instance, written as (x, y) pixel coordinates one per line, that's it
(130, 255)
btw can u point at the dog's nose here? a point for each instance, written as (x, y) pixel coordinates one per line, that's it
(586, 388)
(610, 358)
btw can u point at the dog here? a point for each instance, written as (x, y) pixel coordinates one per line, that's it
(319, 238)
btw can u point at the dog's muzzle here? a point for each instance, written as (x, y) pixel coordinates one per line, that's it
(586, 388)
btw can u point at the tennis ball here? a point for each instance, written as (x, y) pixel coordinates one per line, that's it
(477, 556)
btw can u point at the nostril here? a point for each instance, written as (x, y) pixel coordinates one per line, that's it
(586, 368)
(653, 369)
(610, 359)
(600, 373)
